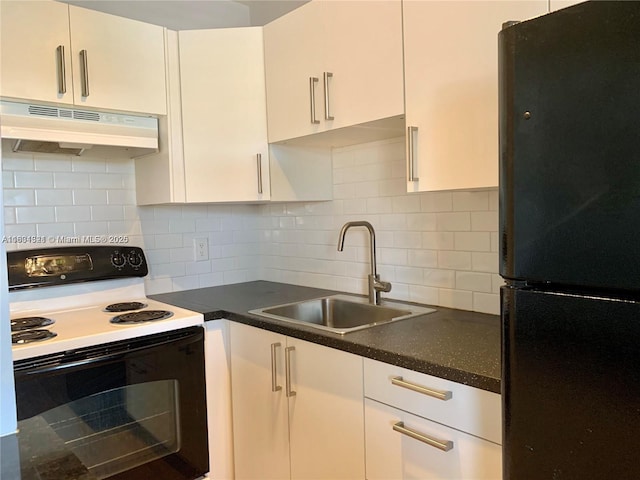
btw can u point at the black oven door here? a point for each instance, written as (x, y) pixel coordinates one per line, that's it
(127, 410)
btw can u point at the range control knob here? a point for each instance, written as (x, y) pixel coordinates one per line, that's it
(135, 259)
(118, 260)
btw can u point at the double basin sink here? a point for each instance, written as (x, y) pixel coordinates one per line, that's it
(341, 313)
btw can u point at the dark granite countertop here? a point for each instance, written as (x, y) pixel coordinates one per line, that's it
(453, 344)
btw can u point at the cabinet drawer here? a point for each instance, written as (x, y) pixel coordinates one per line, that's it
(391, 454)
(469, 409)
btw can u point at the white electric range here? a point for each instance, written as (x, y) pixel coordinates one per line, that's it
(73, 297)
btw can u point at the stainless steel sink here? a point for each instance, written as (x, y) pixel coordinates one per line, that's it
(341, 313)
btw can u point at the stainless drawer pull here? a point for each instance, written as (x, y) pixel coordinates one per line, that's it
(432, 392)
(312, 97)
(84, 73)
(62, 74)
(259, 165)
(327, 107)
(444, 445)
(411, 161)
(274, 370)
(287, 365)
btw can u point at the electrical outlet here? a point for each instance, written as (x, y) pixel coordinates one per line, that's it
(201, 249)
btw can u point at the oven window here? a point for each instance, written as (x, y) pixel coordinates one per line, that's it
(109, 432)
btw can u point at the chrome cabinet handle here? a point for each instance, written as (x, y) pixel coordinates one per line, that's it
(444, 445)
(411, 132)
(312, 96)
(287, 365)
(327, 107)
(62, 74)
(84, 73)
(432, 392)
(259, 164)
(274, 370)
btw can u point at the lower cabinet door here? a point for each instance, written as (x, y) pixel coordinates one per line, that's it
(403, 446)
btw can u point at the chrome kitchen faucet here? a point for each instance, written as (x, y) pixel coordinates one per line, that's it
(375, 284)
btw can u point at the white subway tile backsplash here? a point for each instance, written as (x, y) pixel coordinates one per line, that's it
(472, 241)
(437, 248)
(35, 214)
(19, 197)
(53, 197)
(33, 179)
(453, 222)
(477, 282)
(470, 201)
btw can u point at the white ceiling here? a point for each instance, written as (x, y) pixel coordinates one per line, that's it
(194, 14)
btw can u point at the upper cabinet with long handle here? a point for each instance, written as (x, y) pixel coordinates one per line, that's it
(331, 65)
(54, 52)
(451, 90)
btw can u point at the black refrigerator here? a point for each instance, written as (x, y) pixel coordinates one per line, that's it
(570, 243)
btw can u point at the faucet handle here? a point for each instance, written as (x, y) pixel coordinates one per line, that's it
(381, 286)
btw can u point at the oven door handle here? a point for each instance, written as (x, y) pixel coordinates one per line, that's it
(77, 359)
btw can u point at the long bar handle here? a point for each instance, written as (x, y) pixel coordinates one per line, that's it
(287, 368)
(444, 445)
(274, 369)
(411, 161)
(62, 74)
(259, 165)
(312, 97)
(327, 107)
(84, 73)
(431, 392)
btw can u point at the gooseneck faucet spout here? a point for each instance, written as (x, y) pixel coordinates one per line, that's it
(375, 284)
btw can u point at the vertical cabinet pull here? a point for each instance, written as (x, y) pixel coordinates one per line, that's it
(259, 165)
(431, 392)
(411, 161)
(84, 73)
(327, 107)
(287, 368)
(62, 74)
(312, 97)
(274, 368)
(444, 445)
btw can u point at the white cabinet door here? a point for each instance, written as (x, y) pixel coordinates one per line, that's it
(451, 89)
(224, 119)
(364, 54)
(124, 62)
(293, 50)
(35, 56)
(394, 455)
(318, 429)
(325, 415)
(260, 411)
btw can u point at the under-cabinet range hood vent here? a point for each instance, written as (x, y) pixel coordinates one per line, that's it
(49, 129)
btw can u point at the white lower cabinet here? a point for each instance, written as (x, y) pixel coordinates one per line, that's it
(398, 447)
(424, 427)
(297, 408)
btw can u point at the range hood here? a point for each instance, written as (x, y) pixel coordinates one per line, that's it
(68, 130)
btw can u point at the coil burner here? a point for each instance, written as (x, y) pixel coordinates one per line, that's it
(29, 336)
(29, 323)
(124, 306)
(142, 316)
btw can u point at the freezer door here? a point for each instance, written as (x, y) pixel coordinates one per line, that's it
(570, 147)
(571, 386)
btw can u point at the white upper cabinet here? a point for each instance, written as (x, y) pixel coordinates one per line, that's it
(224, 120)
(331, 65)
(35, 56)
(58, 53)
(294, 56)
(118, 63)
(451, 90)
